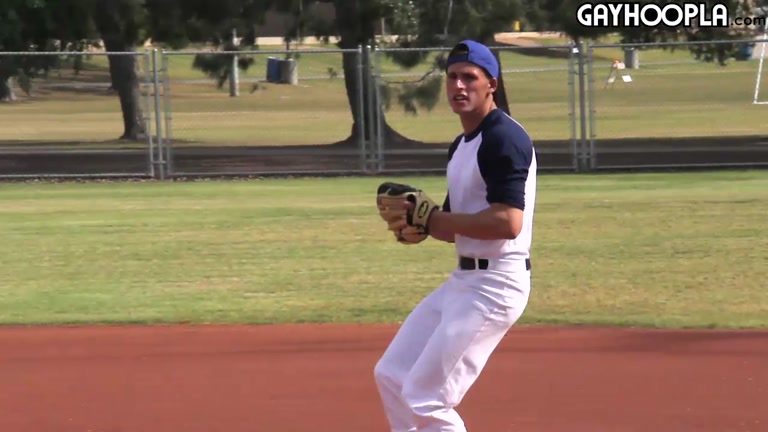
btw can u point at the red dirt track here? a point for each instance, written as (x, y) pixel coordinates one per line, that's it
(319, 378)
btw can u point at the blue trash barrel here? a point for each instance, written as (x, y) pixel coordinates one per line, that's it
(273, 69)
(745, 52)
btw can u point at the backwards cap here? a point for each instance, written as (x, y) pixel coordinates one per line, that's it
(476, 53)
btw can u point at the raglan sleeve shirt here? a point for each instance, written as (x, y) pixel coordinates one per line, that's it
(504, 159)
(451, 150)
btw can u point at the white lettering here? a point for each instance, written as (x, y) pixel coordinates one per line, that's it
(636, 14)
(583, 15)
(632, 15)
(601, 16)
(615, 12)
(720, 15)
(673, 10)
(691, 12)
(704, 18)
(644, 14)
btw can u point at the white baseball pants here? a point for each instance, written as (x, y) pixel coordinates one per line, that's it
(443, 345)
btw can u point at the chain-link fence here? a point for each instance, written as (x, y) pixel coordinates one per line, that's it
(275, 111)
(656, 105)
(417, 124)
(60, 115)
(372, 110)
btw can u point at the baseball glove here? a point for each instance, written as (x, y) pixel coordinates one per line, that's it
(410, 235)
(409, 223)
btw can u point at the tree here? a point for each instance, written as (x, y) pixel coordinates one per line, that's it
(178, 23)
(355, 25)
(24, 27)
(445, 23)
(29, 26)
(425, 23)
(74, 25)
(719, 53)
(120, 24)
(561, 16)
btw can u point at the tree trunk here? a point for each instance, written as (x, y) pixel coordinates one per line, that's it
(122, 69)
(113, 25)
(353, 87)
(6, 90)
(126, 82)
(352, 36)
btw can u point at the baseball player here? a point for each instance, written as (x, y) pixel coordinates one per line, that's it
(445, 342)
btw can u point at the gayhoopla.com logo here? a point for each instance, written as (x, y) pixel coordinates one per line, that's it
(636, 14)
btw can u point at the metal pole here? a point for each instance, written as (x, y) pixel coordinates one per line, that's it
(234, 78)
(301, 19)
(760, 67)
(168, 141)
(591, 100)
(582, 101)
(148, 112)
(361, 108)
(379, 114)
(158, 118)
(572, 106)
(448, 19)
(371, 136)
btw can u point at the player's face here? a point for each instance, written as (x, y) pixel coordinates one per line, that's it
(467, 87)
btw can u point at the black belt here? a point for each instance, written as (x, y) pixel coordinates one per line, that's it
(467, 263)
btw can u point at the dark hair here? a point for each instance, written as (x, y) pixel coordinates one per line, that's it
(459, 50)
(496, 96)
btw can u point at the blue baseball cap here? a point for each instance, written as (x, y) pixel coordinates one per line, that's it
(476, 53)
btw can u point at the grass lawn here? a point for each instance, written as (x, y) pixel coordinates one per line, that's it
(641, 249)
(664, 100)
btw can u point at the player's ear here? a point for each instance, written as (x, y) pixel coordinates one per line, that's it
(493, 83)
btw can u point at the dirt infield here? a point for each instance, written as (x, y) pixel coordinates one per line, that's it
(319, 378)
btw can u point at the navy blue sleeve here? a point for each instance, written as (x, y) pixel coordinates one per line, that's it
(504, 158)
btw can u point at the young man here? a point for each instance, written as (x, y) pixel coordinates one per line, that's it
(445, 342)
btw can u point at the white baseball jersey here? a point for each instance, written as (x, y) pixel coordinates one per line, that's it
(496, 163)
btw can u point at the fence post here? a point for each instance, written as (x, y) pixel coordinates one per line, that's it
(234, 76)
(361, 124)
(591, 101)
(373, 146)
(572, 105)
(582, 103)
(376, 95)
(168, 137)
(370, 154)
(158, 119)
(147, 108)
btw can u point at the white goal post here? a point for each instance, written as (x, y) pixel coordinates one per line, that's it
(761, 59)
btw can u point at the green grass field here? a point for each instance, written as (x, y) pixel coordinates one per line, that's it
(686, 250)
(664, 100)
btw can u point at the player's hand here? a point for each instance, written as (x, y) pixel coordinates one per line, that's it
(419, 210)
(402, 206)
